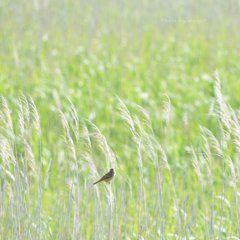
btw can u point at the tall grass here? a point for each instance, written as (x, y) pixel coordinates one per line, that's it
(47, 192)
(90, 85)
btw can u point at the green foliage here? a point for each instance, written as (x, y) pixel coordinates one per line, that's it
(89, 85)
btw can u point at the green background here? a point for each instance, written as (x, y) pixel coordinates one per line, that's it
(89, 85)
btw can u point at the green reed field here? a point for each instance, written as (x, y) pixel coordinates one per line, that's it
(149, 88)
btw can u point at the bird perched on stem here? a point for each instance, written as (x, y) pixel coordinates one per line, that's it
(107, 177)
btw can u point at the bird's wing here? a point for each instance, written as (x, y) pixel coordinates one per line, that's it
(104, 177)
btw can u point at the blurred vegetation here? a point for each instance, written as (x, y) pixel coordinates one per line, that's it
(155, 54)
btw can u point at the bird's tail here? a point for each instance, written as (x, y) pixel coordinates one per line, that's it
(97, 181)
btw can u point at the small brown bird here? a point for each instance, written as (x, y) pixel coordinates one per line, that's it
(107, 177)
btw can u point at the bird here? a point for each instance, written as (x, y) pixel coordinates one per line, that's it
(107, 177)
